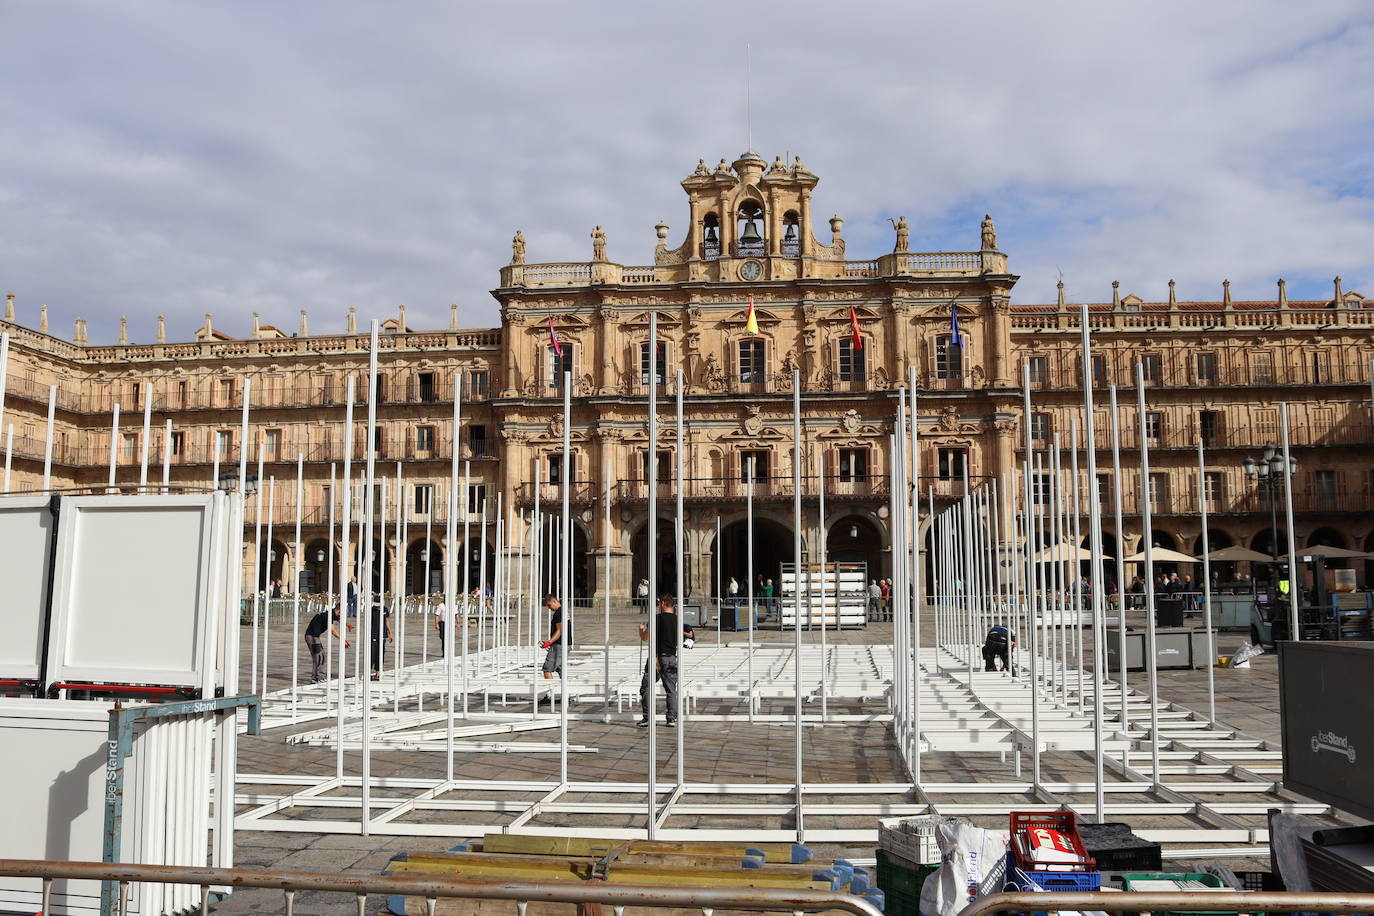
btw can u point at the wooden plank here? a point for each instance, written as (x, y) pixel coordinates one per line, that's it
(781, 853)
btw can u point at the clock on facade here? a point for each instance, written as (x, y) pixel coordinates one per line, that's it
(750, 270)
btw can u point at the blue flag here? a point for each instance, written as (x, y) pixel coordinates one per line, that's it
(954, 326)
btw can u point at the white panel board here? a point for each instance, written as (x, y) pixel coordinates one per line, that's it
(132, 590)
(53, 773)
(25, 528)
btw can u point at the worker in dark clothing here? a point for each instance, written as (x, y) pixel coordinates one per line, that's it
(664, 664)
(381, 624)
(314, 641)
(998, 644)
(558, 632)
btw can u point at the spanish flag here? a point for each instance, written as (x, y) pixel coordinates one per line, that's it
(854, 326)
(751, 323)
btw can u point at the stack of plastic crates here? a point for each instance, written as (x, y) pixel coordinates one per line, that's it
(1131, 880)
(1025, 874)
(908, 854)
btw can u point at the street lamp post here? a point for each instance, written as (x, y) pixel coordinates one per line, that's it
(1267, 473)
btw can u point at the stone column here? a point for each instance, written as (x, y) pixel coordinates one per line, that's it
(998, 342)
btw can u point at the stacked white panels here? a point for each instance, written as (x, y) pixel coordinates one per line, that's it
(833, 595)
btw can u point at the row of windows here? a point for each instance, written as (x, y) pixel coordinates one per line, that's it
(421, 386)
(1210, 426)
(273, 441)
(1324, 485)
(751, 361)
(1204, 367)
(853, 464)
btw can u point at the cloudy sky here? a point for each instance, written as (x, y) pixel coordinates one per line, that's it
(228, 157)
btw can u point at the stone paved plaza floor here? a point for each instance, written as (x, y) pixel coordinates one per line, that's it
(719, 752)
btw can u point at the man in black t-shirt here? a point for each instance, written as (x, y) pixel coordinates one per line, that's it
(314, 641)
(664, 665)
(553, 661)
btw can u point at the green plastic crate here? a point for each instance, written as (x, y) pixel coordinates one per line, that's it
(901, 881)
(1209, 880)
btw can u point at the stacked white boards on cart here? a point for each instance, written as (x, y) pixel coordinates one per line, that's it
(116, 593)
(830, 595)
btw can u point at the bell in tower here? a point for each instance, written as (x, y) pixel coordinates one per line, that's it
(750, 238)
(750, 235)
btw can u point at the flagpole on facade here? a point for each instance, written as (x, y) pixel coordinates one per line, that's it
(651, 606)
(1098, 590)
(796, 609)
(1147, 528)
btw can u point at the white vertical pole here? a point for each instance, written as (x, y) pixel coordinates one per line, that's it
(267, 615)
(651, 611)
(114, 443)
(144, 443)
(749, 566)
(1031, 597)
(606, 590)
(1122, 600)
(257, 568)
(536, 535)
(167, 459)
(1077, 589)
(4, 375)
(1147, 524)
(1099, 583)
(329, 592)
(295, 585)
(346, 497)
(365, 584)
(467, 575)
(913, 498)
(821, 550)
(1294, 582)
(9, 453)
(679, 546)
(47, 447)
(565, 562)
(797, 523)
(451, 616)
(1207, 585)
(399, 596)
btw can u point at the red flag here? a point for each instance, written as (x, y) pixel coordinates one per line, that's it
(553, 337)
(854, 325)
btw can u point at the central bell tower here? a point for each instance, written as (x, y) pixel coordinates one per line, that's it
(750, 221)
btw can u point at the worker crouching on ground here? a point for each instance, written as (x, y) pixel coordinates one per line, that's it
(314, 641)
(998, 644)
(664, 666)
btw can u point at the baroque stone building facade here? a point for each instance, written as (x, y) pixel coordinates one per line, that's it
(1215, 370)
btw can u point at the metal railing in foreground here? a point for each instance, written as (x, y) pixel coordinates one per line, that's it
(1172, 901)
(519, 892)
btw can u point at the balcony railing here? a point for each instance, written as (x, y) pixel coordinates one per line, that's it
(581, 493)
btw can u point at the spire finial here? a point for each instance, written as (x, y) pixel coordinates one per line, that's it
(161, 329)
(401, 321)
(1283, 293)
(1173, 295)
(43, 319)
(1116, 294)
(79, 332)
(453, 316)
(1340, 294)
(305, 327)
(209, 329)
(1226, 293)
(1060, 286)
(257, 326)
(9, 307)
(123, 331)
(352, 319)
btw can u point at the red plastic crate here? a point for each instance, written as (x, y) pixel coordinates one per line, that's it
(1066, 822)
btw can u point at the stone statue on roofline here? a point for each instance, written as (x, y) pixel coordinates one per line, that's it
(903, 234)
(517, 248)
(989, 233)
(598, 244)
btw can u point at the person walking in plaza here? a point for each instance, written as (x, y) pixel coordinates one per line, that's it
(768, 598)
(314, 641)
(732, 590)
(642, 596)
(664, 665)
(441, 616)
(998, 644)
(558, 632)
(875, 599)
(885, 597)
(353, 597)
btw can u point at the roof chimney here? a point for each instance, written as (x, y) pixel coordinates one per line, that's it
(162, 329)
(453, 317)
(79, 333)
(9, 307)
(43, 319)
(352, 319)
(123, 332)
(305, 328)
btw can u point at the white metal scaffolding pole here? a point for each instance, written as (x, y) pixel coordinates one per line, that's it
(821, 546)
(452, 618)
(1031, 599)
(650, 610)
(1207, 584)
(1121, 592)
(1099, 583)
(9, 453)
(912, 497)
(365, 597)
(606, 589)
(467, 575)
(797, 523)
(145, 442)
(4, 380)
(296, 587)
(565, 561)
(678, 563)
(749, 574)
(329, 591)
(1294, 582)
(47, 446)
(1147, 529)
(243, 434)
(114, 446)
(267, 577)
(344, 566)
(257, 571)
(167, 459)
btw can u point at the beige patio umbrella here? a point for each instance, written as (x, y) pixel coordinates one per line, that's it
(1332, 553)
(1163, 555)
(1063, 552)
(1238, 554)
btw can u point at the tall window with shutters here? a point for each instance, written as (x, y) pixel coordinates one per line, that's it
(751, 362)
(559, 363)
(851, 361)
(660, 365)
(949, 358)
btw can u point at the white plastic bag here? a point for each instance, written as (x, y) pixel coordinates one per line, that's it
(973, 863)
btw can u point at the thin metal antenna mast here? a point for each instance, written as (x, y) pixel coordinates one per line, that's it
(749, 96)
